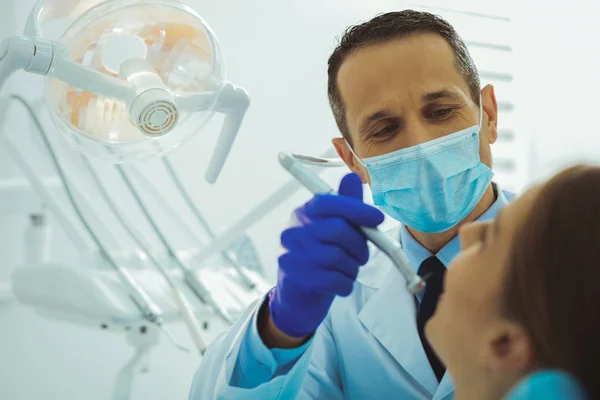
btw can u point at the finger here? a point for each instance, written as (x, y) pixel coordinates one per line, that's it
(329, 281)
(338, 232)
(317, 281)
(316, 255)
(351, 186)
(352, 210)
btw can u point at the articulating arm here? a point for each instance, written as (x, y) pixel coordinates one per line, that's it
(22, 53)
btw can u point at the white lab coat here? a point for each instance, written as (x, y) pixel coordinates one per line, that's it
(368, 347)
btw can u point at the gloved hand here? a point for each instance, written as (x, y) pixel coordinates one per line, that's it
(322, 259)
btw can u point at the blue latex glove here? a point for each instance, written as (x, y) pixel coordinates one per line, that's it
(323, 256)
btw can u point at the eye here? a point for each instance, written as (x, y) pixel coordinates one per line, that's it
(385, 132)
(441, 113)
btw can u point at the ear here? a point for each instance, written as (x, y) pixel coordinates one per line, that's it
(511, 350)
(490, 109)
(345, 154)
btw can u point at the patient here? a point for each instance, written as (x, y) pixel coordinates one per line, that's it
(523, 295)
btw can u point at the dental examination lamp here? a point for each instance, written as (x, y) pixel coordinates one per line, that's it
(129, 79)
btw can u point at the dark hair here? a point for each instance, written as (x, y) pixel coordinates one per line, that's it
(386, 27)
(554, 272)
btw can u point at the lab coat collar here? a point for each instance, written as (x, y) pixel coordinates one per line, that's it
(390, 313)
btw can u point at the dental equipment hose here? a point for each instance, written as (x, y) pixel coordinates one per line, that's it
(227, 254)
(148, 309)
(391, 248)
(191, 279)
(181, 302)
(175, 217)
(38, 185)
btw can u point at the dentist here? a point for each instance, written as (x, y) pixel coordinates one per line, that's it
(340, 323)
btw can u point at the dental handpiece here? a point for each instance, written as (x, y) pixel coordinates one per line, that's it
(391, 248)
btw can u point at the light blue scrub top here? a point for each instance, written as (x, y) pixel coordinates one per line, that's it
(258, 364)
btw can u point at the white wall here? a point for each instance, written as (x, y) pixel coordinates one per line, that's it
(559, 65)
(278, 50)
(6, 25)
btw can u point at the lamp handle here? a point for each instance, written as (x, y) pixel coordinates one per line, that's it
(233, 101)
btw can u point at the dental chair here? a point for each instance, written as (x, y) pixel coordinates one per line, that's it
(107, 284)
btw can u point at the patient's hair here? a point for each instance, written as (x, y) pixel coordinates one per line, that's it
(553, 281)
(386, 27)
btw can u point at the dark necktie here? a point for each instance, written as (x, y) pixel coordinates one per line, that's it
(433, 271)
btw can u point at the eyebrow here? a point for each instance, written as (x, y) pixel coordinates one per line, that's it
(376, 116)
(440, 94)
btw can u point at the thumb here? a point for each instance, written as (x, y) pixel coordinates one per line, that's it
(351, 186)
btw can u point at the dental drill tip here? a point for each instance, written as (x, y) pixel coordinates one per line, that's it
(310, 159)
(416, 285)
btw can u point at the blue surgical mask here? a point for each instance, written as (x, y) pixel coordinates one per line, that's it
(433, 186)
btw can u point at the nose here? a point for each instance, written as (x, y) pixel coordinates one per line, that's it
(419, 131)
(470, 234)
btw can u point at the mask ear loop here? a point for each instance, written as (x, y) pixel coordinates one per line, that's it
(354, 154)
(480, 112)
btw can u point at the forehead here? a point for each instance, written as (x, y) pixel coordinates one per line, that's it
(401, 69)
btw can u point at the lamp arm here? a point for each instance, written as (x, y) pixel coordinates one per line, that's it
(23, 53)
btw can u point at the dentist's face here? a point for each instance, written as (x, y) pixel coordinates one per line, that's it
(406, 92)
